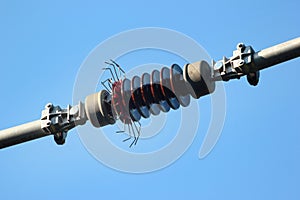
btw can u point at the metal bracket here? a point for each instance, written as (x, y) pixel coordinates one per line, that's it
(58, 122)
(240, 64)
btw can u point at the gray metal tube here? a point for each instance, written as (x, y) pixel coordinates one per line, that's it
(21, 133)
(277, 54)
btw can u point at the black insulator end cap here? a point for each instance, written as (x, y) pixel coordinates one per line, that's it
(198, 78)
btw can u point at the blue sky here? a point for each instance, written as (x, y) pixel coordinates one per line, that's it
(43, 44)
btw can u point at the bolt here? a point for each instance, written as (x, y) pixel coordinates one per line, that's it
(49, 105)
(240, 46)
(74, 110)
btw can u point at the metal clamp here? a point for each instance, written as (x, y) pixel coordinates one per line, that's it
(238, 65)
(58, 121)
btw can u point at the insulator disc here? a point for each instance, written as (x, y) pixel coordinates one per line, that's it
(147, 96)
(157, 93)
(178, 85)
(138, 98)
(165, 84)
(126, 90)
